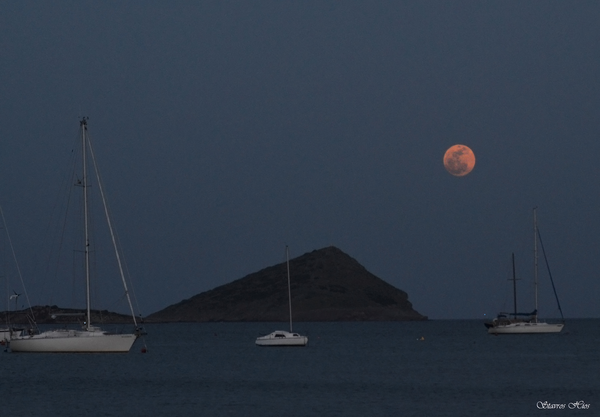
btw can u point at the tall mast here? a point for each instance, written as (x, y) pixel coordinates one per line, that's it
(83, 124)
(287, 256)
(535, 262)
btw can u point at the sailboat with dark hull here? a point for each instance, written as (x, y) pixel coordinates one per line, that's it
(525, 323)
(90, 338)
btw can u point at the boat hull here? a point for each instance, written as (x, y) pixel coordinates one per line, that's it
(526, 328)
(281, 338)
(69, 341)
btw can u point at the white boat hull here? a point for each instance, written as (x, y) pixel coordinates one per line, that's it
(526, 328)
(282, 338)
(73, 341)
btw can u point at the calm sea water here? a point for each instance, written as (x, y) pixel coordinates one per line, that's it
(348, 369)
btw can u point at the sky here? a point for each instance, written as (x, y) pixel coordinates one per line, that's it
(225, 130)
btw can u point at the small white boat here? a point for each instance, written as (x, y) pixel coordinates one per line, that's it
(512, 323)
(88, 339)
(280, 337)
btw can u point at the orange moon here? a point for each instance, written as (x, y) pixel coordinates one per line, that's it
(459, 160)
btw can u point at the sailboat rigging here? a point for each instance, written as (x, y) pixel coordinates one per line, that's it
(90, 338)
(505, 324)
(281, 337)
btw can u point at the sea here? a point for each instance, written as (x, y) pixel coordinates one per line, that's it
(431, 368)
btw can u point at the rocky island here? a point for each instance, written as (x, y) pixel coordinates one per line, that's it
(326, 285)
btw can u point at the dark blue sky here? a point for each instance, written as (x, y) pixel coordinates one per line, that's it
(225, 130)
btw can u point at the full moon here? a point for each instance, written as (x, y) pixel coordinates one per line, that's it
(459, 160)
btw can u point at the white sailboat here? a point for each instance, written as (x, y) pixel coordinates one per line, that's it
(281, 337)
(9, 329)
(6, 332)
(88, 339)
(505, 324)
